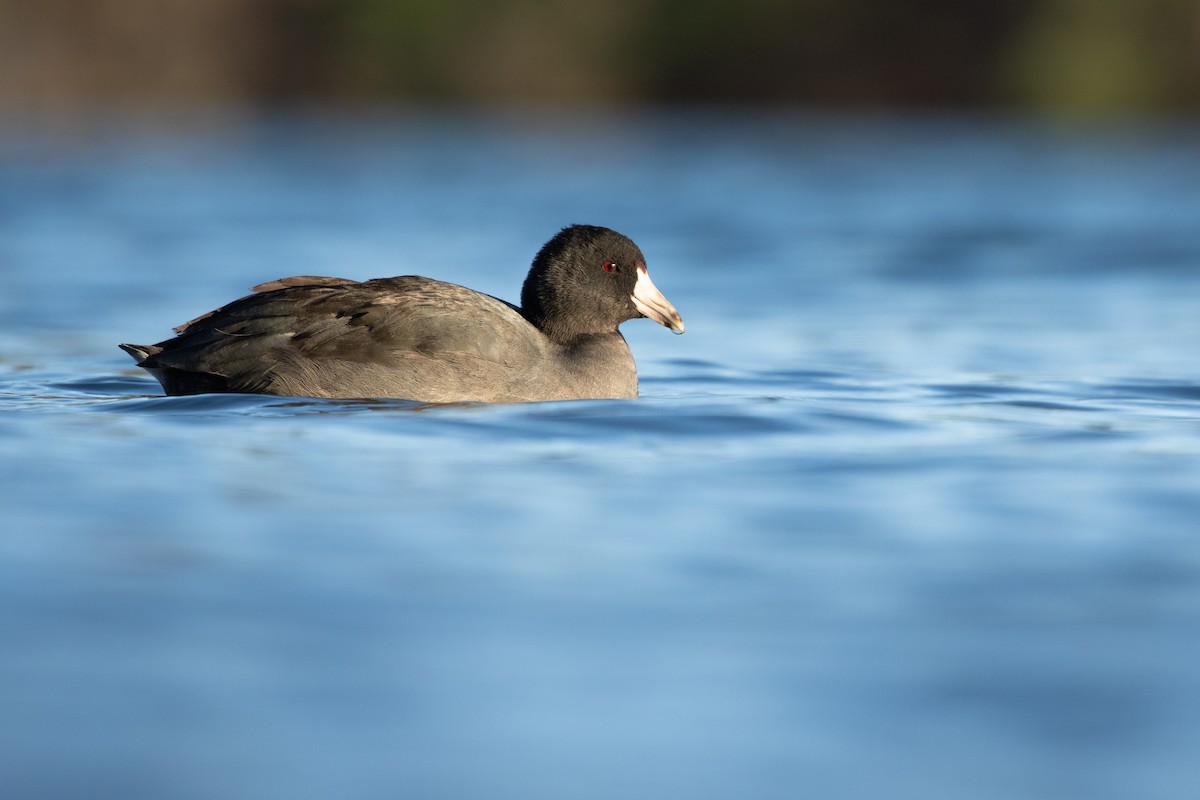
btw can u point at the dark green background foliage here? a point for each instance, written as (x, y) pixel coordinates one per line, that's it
(1125, 56)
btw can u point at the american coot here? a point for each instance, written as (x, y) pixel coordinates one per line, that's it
(420, 339)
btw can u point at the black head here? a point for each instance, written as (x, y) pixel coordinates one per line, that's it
(588, 280)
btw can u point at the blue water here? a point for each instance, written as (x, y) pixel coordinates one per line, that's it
(911, 511)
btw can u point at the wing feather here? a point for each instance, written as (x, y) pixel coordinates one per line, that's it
(307, 326)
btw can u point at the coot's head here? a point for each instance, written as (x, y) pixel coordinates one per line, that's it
(588, 280)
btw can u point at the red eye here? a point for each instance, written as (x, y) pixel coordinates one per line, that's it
(609, 266)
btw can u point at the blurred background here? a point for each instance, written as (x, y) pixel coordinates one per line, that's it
(155, 57)
(908, 513)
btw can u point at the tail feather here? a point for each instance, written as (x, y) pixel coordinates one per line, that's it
(140, 352)
(174, 380)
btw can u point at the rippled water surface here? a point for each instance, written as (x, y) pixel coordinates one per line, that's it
(911, 511)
